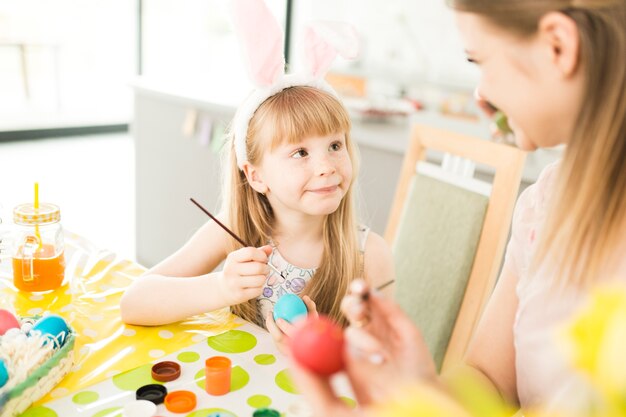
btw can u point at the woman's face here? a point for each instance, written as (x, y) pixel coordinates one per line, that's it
(522, 78)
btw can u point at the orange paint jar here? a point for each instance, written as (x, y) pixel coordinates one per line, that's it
(217, 372)
(38, 248)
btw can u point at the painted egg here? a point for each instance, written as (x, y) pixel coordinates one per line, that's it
(317, 344)
(53, 327)
(290, 307)
(7, 321)
(4, 374)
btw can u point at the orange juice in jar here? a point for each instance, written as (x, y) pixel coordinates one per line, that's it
(38, 248)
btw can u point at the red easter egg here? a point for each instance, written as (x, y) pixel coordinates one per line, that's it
(317, 344)
(7, 321)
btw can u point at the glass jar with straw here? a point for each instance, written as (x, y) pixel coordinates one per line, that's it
(38, 246)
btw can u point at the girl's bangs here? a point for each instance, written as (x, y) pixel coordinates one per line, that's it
(303, 112)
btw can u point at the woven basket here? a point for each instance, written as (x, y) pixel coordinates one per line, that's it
(15, 401)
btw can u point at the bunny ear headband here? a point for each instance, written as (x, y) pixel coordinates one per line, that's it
(261, 38)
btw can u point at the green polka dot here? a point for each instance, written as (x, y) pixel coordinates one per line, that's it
(135, 378)
(39, 412)
(233, 341)
(208, 411)
(188, 357)
(349, 401)
(265, 359)
(110, 412)
(199, 378)
(239, 378)
(259, 401)
(85, 397)
(283, 380)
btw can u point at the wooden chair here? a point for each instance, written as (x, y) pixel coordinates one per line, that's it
(448, 241)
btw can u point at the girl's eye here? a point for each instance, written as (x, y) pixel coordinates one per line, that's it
(471, 60)
(300, 153)
(336, 146)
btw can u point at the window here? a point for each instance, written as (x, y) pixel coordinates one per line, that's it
(192, 41)
(66, 62)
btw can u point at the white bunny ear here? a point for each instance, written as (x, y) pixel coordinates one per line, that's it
(324, 40)
(261, 38)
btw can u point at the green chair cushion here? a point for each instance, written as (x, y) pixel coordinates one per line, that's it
(434, 251)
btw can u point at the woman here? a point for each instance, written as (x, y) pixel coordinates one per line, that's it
(555, 67)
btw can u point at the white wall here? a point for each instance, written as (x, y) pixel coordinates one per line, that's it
(410, 41)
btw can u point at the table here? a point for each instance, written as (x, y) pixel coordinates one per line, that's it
(114, 359)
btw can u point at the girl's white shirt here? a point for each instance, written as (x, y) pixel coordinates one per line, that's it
(294, 278)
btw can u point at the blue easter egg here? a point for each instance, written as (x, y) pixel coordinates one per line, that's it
(53, 327)
(290, 307)
(4, 374)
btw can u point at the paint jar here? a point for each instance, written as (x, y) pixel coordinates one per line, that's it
(217, 371)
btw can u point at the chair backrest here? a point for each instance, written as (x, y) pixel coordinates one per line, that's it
(448, 241)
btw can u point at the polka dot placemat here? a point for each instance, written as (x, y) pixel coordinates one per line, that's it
(259, 379)
(89, 300)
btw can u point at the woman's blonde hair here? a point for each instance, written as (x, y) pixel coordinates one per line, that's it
(587, 214)
(293, 115)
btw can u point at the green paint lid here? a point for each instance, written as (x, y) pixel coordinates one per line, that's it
(266, 412)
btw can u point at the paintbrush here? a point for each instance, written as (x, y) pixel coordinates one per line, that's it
(238, 239)
(230, 232)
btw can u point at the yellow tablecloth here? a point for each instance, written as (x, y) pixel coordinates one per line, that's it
(89, 301)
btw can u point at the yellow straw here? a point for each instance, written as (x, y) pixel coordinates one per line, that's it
(36, 212)
(36, 196)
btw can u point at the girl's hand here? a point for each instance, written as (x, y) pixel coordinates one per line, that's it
(281, 330)
(244, 274)
(310, 306)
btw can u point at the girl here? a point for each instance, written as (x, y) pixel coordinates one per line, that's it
(555, 68)
(288, 193)
(292, 200)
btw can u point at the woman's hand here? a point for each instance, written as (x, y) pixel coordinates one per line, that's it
(281, 330)
(383, 345)
(244, 274)
(384, 351)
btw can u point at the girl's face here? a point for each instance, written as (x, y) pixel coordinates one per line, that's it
(526, 79)
(309, 177)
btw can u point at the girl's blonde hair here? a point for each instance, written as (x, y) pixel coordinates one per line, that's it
(588, 210)
(289, 117)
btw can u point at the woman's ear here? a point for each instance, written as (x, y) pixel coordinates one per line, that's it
(253, 175)
(559, 33)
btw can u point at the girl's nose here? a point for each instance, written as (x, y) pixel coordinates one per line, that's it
(325, 166)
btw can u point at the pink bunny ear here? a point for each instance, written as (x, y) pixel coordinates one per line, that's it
(261, 38)
(324, 40)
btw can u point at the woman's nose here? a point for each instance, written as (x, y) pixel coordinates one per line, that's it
(488, 108)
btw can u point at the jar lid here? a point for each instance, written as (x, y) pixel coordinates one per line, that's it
(26, 214)
(154, 393)
(266, 412)
(180, 401)
(139, 408)
(165, 371)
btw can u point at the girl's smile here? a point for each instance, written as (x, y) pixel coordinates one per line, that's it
(325, 190)
(310, 177)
